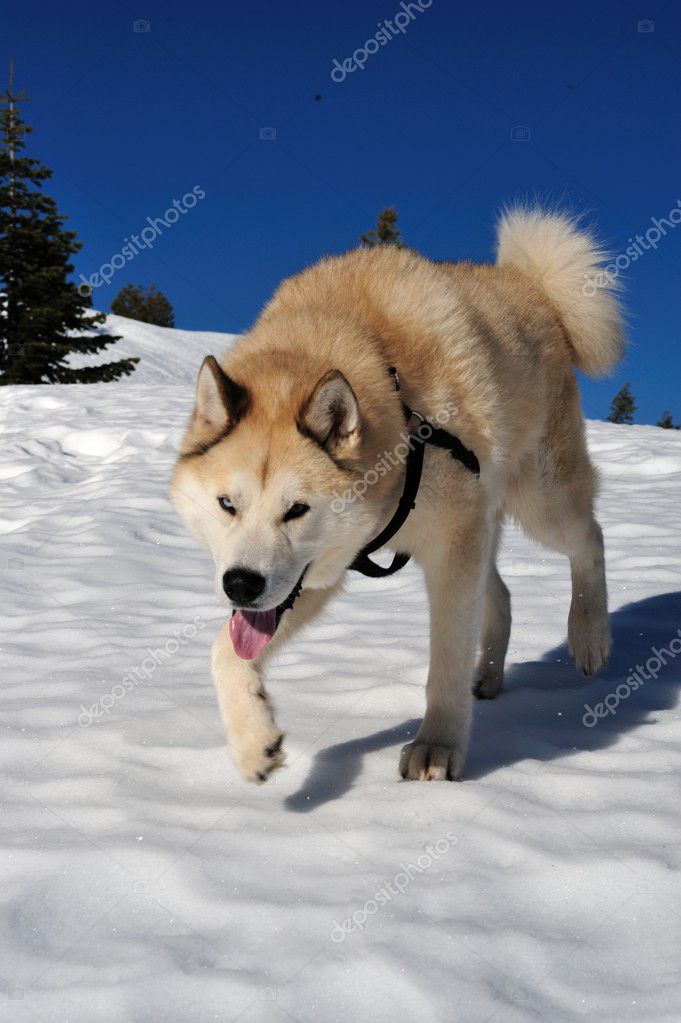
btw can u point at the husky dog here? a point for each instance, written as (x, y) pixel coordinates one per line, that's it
(284, 471)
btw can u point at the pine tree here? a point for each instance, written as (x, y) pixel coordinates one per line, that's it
(386, 231)
(623, 407)
(666, 422)
(41, 311)
(149, 305)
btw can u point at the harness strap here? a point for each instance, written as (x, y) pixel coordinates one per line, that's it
(440, 438)
(425, 434)
(288, 603)
(407, 502)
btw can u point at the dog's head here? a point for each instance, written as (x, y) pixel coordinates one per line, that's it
(268, 480)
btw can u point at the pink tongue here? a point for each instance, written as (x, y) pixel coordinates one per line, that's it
(251, 631)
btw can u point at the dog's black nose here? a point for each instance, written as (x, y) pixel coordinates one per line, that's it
(241, 586)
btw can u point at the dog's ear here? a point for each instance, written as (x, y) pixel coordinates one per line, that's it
(330, 416)
(220, 401)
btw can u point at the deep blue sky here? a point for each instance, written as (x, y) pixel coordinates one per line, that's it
(129, 121)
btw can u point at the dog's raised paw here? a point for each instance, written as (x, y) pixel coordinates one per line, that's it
(275, 748)
(258, 758)
(425, 761)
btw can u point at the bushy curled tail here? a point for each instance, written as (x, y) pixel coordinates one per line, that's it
(568, 263)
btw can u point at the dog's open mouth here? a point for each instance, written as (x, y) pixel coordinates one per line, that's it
(251, 631)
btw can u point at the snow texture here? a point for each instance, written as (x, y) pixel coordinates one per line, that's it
(144, 882)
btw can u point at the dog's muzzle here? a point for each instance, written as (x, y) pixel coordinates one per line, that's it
(251, 631)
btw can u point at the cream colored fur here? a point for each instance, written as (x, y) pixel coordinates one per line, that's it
(565, 261)
(489, 348)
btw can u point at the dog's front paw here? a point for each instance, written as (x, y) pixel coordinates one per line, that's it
(259, 754)
(426, 761)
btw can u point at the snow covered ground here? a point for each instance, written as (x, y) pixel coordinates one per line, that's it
(142, 881)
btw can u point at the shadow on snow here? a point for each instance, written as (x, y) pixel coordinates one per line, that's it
(538, 715)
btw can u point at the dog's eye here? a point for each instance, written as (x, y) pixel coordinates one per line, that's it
(227, 505)
(296, 511)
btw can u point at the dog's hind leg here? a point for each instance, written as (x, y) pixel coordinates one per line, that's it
(496, 630)
(577, 534)
(552, 498)
(255, 740)
(589, 636)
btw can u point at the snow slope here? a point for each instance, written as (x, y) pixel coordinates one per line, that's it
(166, 356)
(143, 882)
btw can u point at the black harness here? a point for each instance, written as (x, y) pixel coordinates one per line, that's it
(425, 433)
